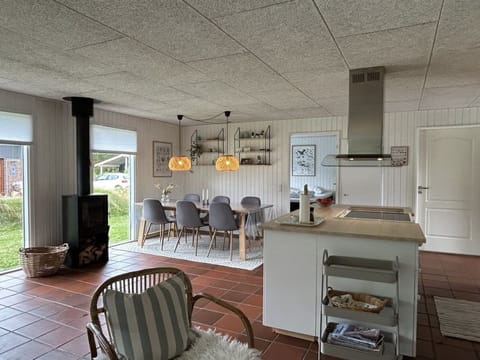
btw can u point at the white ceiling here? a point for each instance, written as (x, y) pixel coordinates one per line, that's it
(261, 59)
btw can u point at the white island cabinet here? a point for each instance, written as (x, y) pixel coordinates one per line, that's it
(293, 270)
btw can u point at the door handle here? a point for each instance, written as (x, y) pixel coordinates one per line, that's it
(420, 188)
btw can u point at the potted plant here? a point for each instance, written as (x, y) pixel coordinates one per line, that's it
(195, 151)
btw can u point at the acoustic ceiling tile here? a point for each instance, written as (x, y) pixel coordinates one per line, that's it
(170, 26)
(454, 68)
(288, 37)
(404, 85)
(52, 23)
(216, 92)
(129, 55)
(255, 110)
(319, 84)
(449, 97)
(218, 8)
(123, 98)
(138, 85)
(458, 28)
(350, 17)
(337, 106)
(196, 108)
(242, 71)
(396, 106)
(285, 99)
(408, 46)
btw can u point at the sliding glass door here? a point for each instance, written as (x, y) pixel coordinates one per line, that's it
(13, 203)
(113, 160)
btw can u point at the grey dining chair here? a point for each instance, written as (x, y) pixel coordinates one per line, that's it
(254, 217)
(192, 197)
(221, 198)
(188, 218)
(222, 218)
(154, 214)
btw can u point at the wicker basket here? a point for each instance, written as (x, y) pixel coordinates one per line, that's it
(42, 261)
(359, 300)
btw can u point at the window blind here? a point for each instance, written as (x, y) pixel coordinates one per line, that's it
(113, 140)
(15, 128)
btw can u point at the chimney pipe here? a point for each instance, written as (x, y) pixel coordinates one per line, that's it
(82, 110)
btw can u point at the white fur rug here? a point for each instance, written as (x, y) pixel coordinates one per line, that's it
(213, 346)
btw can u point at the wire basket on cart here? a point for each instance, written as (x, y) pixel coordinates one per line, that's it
(42, 261)
(356, 301)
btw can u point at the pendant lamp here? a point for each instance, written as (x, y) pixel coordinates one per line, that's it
(227, 162)
(180, 162)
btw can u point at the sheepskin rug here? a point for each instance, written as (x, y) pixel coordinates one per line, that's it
(212, 346)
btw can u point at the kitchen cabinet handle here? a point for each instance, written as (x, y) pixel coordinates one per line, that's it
(422, 187)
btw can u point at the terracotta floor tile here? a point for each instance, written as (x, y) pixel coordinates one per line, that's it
(279, 351)
(252, 312)
(256, 300)
(69, 315)
(263, 332)
(8, 312)
(69, 294)
(18, 321)
(447, 352)
(37, 328)
(59, 336)
(466, 296)
(31, 304)
(425, 349)
(293, 341)
(206, 316)
(77, 346)
(10, 341)
(234, 296)
(423, 332)
(249, 289)
(29, 350)
(49, 309)
(14, 299)
(58, 355)
(231, 323)
(6, 293)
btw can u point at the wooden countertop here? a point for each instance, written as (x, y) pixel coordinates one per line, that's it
(371, 228)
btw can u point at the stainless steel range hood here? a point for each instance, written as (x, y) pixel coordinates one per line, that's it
(365, 121)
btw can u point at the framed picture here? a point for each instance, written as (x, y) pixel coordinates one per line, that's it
(303, 160)
(162, 152)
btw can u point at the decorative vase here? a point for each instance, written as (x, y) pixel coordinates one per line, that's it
(164, 198)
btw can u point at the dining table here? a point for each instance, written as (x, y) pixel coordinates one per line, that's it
(238, 209)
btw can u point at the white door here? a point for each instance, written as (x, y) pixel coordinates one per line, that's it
(448, 186)
(361, 186)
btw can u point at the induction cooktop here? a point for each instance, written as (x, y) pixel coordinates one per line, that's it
(381, 215)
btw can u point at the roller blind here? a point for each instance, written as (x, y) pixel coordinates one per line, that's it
(15, 128)
(113, 140)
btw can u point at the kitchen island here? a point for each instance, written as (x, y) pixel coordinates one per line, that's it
(293, 268)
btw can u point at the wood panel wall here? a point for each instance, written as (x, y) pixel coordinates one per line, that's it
(52, 157)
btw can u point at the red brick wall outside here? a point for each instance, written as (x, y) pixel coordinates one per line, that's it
(13, 177)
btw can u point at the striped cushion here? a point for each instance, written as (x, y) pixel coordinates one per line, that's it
(151, 325)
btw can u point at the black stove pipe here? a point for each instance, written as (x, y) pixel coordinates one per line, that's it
(82, 110)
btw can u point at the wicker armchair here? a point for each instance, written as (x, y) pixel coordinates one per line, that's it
(136, 282)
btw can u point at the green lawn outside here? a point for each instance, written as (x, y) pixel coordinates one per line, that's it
(11, 226)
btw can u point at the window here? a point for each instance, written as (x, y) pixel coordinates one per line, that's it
(15, 137)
